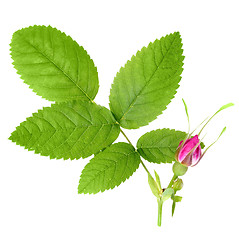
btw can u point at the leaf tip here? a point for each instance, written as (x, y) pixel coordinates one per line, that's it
(10, 138)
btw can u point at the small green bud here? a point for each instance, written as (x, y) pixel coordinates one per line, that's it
(178, 185)
(179, 169)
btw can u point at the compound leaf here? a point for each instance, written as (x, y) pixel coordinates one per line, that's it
(54, 65)
(109, 168)
(68, 130)
(146, 84)
(159, 146)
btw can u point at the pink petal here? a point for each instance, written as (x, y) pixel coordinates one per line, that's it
(184, 143)
(187, 147)
(196, 156)
(187, 161)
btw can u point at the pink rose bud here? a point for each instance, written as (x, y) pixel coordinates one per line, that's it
(189, 152)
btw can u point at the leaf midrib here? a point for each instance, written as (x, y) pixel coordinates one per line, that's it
(76, 127)
(132, 103)
(59, 68)
(155, 147)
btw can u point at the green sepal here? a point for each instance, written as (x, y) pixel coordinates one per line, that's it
(178, 198)
(179, 169)
(157, 180)
(173, 208)
(202, 145)
(168, 192)
(175, 199)
(154, 186)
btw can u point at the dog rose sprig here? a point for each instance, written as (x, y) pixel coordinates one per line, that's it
(188, 154)
(58, 69)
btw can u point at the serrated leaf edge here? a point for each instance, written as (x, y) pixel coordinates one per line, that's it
(122, 67)
(55, 158)
(117, 185)
(138, 148)
(68, 36)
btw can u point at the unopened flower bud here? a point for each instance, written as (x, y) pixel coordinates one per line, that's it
(178, 184)
(189, 152)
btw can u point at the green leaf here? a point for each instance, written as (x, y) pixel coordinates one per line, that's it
(68, 130)
(159, 146)
(146, 84)
(109, 168)
(54, 65)
(167, 194)
(153, 186)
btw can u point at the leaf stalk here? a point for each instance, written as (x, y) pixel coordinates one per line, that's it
(134, 148)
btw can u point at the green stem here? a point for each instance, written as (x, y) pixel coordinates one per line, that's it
(134, 147)
(126, 137)
(172, 181)
(160, 208)
(160, 202)
(145, 167)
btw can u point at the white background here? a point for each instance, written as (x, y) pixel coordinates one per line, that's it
(38, 196)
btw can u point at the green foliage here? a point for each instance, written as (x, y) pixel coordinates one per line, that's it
(159, 146)
(54, 65)
(68, 130)
(58, 69)
(109, 168)
(146, 84)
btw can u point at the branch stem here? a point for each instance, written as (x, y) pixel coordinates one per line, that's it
(160, 208)
(126, 137)
(172, 181)
(134, 147)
